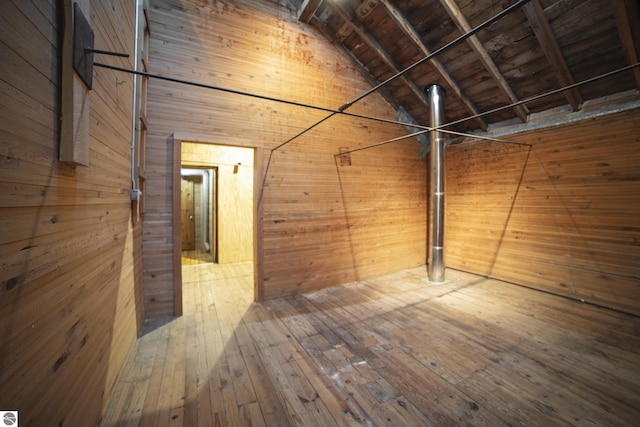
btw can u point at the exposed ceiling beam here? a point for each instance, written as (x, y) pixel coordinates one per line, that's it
(463, 25)
(366, 73)
(352, 24)
(411, 32)
(365, 8)
(535, 14)
(307, 10)
(623, 15)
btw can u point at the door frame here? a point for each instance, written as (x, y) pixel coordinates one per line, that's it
(176, 140)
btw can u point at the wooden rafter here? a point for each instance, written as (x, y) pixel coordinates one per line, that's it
(463, 25)
(366, 73)
(535, 15)
(411, 32)
(623, 15)
(307, 10)
(353, 24)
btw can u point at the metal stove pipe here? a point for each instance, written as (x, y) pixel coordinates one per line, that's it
(435, 249)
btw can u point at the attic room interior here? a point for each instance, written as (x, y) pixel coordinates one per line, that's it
(320, 212)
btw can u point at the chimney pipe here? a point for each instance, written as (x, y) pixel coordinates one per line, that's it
(435, 249)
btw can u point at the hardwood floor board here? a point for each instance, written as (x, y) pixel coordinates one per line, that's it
(251, 415)
(192, 384)
(196, 257)
(511, 407)
(340, 404)
(234, 366)
(513, 348)
(217, 380)
(374, 320)
(333, 360)
(146, 351)
(393, 350)
(121, 401)
(207, 401)
(270, 407)
(554, 334)
(346, 317)
(363, 357)
(560, 312)
(562, 341)
(301, 326)
(413, 341)
(330, 337)
(374, 399)
(434, 350)
(539, 397)
(170, 390)
(380, 401)
(408, 377)
(524, 386)
(294, 386)
(398, 324)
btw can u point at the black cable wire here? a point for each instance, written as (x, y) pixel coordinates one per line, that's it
(495, 110)
(213, 87)
(263, 97)
(342, 109)
(409, 68)
(254, 95)
(544, 95)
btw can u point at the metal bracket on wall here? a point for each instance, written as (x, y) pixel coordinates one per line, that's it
(83, 47)
(345, 157)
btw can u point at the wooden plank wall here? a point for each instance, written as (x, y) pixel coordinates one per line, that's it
(234, 198)
(561, 214)
(323, 224)
(70, 275)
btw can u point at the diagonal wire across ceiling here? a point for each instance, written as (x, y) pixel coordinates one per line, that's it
(542, 46)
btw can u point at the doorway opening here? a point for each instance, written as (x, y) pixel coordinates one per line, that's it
(216, 211)
(199, 218)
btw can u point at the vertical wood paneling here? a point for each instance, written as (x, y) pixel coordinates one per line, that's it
(562, 215)
(70, 300)
(322, 225)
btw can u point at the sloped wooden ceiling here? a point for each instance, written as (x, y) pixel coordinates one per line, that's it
(538, 46)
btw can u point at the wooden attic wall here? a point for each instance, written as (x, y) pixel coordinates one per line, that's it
(69, 307)
(561, 214)
(323, 224)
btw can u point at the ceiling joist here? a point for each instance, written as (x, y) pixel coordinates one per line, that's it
(353, 24)
(551, 48)
(411, 32)
(626, 11)
(508, 57)
(463, 25)
(307, 10)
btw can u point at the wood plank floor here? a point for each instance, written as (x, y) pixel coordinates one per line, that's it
(196, 257)
(389, 351)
